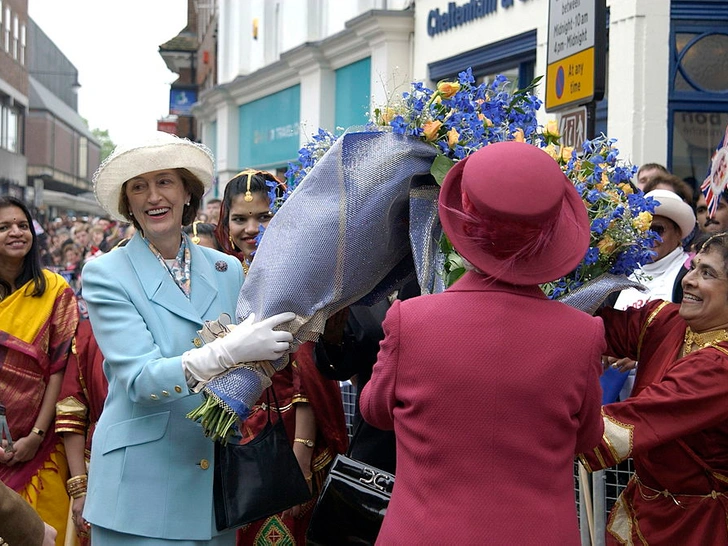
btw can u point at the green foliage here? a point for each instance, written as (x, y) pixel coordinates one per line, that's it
(107, 145)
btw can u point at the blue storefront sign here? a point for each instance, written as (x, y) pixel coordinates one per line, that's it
(269, 129)
(181, 101)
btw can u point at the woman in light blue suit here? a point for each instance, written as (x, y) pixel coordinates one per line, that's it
(151, 470)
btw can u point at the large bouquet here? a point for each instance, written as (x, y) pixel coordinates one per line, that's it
(362, 211)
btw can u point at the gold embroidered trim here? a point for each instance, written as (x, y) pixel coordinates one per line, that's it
(647, 323)
(300, 399)
(71, 406)
(618, 436)
(598, 455)
(584, 463)
(701, 341)
(620, 522)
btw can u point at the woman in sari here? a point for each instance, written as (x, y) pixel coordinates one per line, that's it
(674, 425)
(310, 405)
(38, 319)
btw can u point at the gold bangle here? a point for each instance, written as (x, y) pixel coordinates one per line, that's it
(38, 431)
(305, 441)
(77, 479)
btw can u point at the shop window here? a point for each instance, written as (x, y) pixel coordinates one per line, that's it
(515, 57)
(698, 93)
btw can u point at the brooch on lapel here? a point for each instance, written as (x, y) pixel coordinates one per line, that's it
(221, 265)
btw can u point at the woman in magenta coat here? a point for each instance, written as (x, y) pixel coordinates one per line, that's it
(490, 387)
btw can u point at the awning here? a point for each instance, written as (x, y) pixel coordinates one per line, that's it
(85, 203)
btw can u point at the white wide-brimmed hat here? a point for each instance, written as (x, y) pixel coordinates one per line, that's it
(673, 207)
(153, 153)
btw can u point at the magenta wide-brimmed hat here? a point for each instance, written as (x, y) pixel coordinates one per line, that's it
(512, 213)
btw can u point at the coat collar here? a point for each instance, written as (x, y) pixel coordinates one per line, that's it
(473, 281)
(159, 286)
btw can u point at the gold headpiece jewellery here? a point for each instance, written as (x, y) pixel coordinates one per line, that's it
(195, 237)
(250, 173)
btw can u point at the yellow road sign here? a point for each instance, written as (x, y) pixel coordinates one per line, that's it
(570, 80)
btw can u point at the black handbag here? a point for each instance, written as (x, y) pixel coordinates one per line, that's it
(255, 480)
(352, 504)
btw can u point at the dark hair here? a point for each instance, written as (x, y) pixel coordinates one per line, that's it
(191, 183)
(719, 242)
(32, 268)
(201, 228)
(261, 182)
(678, 185)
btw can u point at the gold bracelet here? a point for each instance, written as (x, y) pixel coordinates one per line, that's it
(77, 479)
(38, 431)
(305, 441)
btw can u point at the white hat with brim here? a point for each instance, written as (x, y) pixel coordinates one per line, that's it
(158, 152)
(673, 207)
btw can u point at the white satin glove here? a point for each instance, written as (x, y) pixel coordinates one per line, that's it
(247, 342)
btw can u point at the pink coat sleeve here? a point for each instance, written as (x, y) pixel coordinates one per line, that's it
(591, 425)
(378, 398)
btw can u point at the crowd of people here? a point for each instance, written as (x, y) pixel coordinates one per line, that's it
(479, 399)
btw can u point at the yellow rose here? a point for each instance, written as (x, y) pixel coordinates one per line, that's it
(518, 136)
(452, 137)
(486, 122)
(566, 152)
(643, 221)
(626, 188)
(388, 115)
(430, 129)
(448, 89)
(606, 245)
(551, 150)
(552, 128)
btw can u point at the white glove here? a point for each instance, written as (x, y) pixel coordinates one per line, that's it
(247, 342)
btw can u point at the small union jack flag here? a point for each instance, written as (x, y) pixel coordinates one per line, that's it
(717, 180)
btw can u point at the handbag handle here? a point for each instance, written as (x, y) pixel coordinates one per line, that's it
(275, 398)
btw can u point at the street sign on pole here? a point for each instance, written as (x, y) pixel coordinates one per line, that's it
(573, 127)
(575, 60)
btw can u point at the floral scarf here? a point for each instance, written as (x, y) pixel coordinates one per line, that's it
(180, 269)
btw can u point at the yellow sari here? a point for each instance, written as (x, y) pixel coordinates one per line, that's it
(36, 338)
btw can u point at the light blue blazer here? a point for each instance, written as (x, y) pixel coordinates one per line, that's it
(151, 468)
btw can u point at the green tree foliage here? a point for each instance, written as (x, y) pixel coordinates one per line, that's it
(107, 145)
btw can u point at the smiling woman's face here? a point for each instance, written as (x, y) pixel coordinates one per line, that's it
(15, 235)
(705, 292)
(157, 200)
(246, 218)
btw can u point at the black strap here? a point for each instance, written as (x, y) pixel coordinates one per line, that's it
(275, 398)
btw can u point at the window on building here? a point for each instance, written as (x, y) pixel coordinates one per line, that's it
(21, 55)
(6, 31)
(15, 37)
(12, 133)
(83, 157)
(10, 126)
(698, 95)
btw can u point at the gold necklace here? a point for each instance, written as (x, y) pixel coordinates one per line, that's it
(703, 340)
(246, 267)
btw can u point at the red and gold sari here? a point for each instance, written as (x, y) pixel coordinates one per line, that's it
(36, 337)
